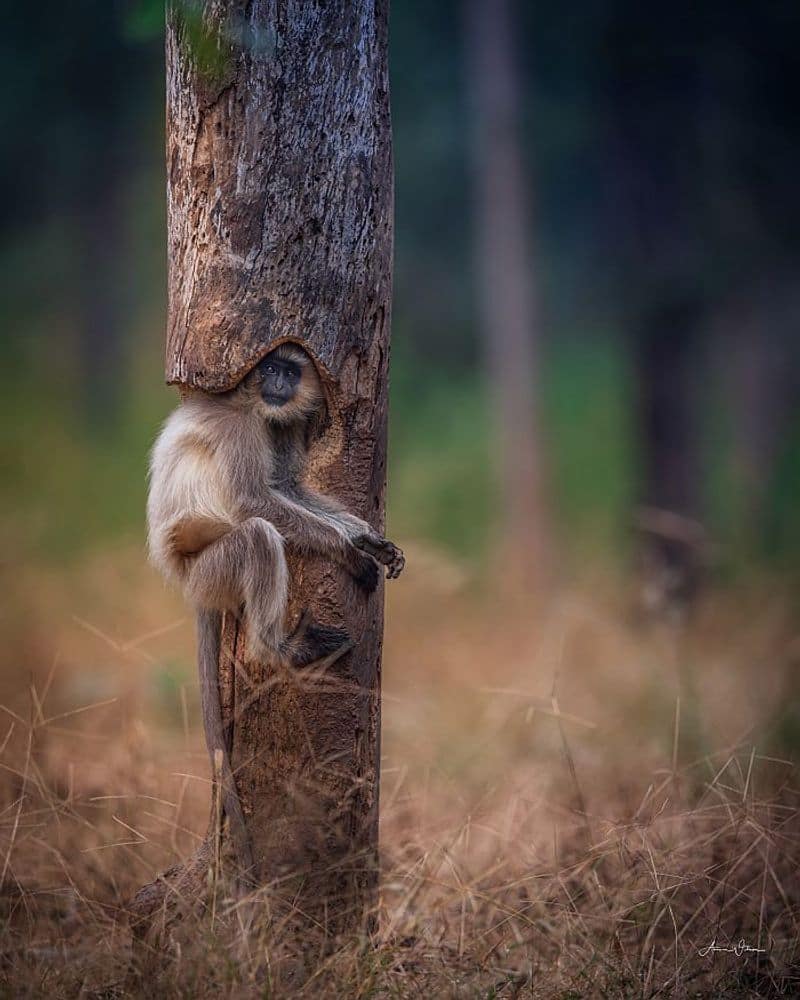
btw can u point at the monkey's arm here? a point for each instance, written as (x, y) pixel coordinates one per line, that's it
(359, 532)
(308, 531)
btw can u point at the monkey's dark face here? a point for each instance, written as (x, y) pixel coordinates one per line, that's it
(283, 388)
(280, 380)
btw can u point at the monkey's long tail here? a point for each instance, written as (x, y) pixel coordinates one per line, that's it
(209, 625)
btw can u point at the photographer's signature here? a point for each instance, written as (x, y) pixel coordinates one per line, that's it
(740, 948)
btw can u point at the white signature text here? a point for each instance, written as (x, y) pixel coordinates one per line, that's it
(740, 948)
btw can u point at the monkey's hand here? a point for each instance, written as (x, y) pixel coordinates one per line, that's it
(386, 553)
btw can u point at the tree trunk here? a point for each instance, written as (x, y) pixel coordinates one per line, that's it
(280, 228)
(504, 261)
(754, 346)
(672, 549)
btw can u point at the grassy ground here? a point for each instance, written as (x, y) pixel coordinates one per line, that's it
(573, 805)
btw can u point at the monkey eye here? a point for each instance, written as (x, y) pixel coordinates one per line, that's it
(270, 369)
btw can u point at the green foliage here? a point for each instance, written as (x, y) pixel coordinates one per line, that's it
(64, 489)
(171, 682)
(209, 45)
(590, 438)
(441, 464)
(782, 531)
(144, 20)
(439, 484)
(205, 46)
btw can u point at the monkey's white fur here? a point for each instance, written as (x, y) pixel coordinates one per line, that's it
(204, 444)
(226, 494)
(226, 491)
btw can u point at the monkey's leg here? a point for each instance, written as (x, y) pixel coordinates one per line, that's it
(246, 566)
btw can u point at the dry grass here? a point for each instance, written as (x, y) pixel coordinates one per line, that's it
(572, 805)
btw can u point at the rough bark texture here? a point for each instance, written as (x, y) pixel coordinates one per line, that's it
(279, 194)
(280, 227)
(505, 265)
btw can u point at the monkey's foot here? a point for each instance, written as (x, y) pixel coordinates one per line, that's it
(386, 553)
(317, 643)
(325, 661)
(364, 571)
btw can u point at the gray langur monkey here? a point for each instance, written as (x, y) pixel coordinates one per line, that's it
(226, 495)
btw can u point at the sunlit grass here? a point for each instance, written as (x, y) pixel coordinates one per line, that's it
(572, 804)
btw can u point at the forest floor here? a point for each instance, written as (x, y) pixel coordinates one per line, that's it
(573, 804)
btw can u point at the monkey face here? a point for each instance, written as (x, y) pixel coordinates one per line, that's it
(283, 388)
(280, 380)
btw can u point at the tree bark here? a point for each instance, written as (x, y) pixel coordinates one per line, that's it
(505, 266)
(280, 228)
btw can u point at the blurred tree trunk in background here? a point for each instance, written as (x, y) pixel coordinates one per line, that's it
(100, 286)
(653, 231)
(510, 321)
(667, 348)
(756, 346)
(280, 184)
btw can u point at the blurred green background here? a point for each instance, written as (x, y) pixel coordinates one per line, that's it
(659, 154)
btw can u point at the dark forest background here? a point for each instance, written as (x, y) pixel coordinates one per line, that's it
(659, 152)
